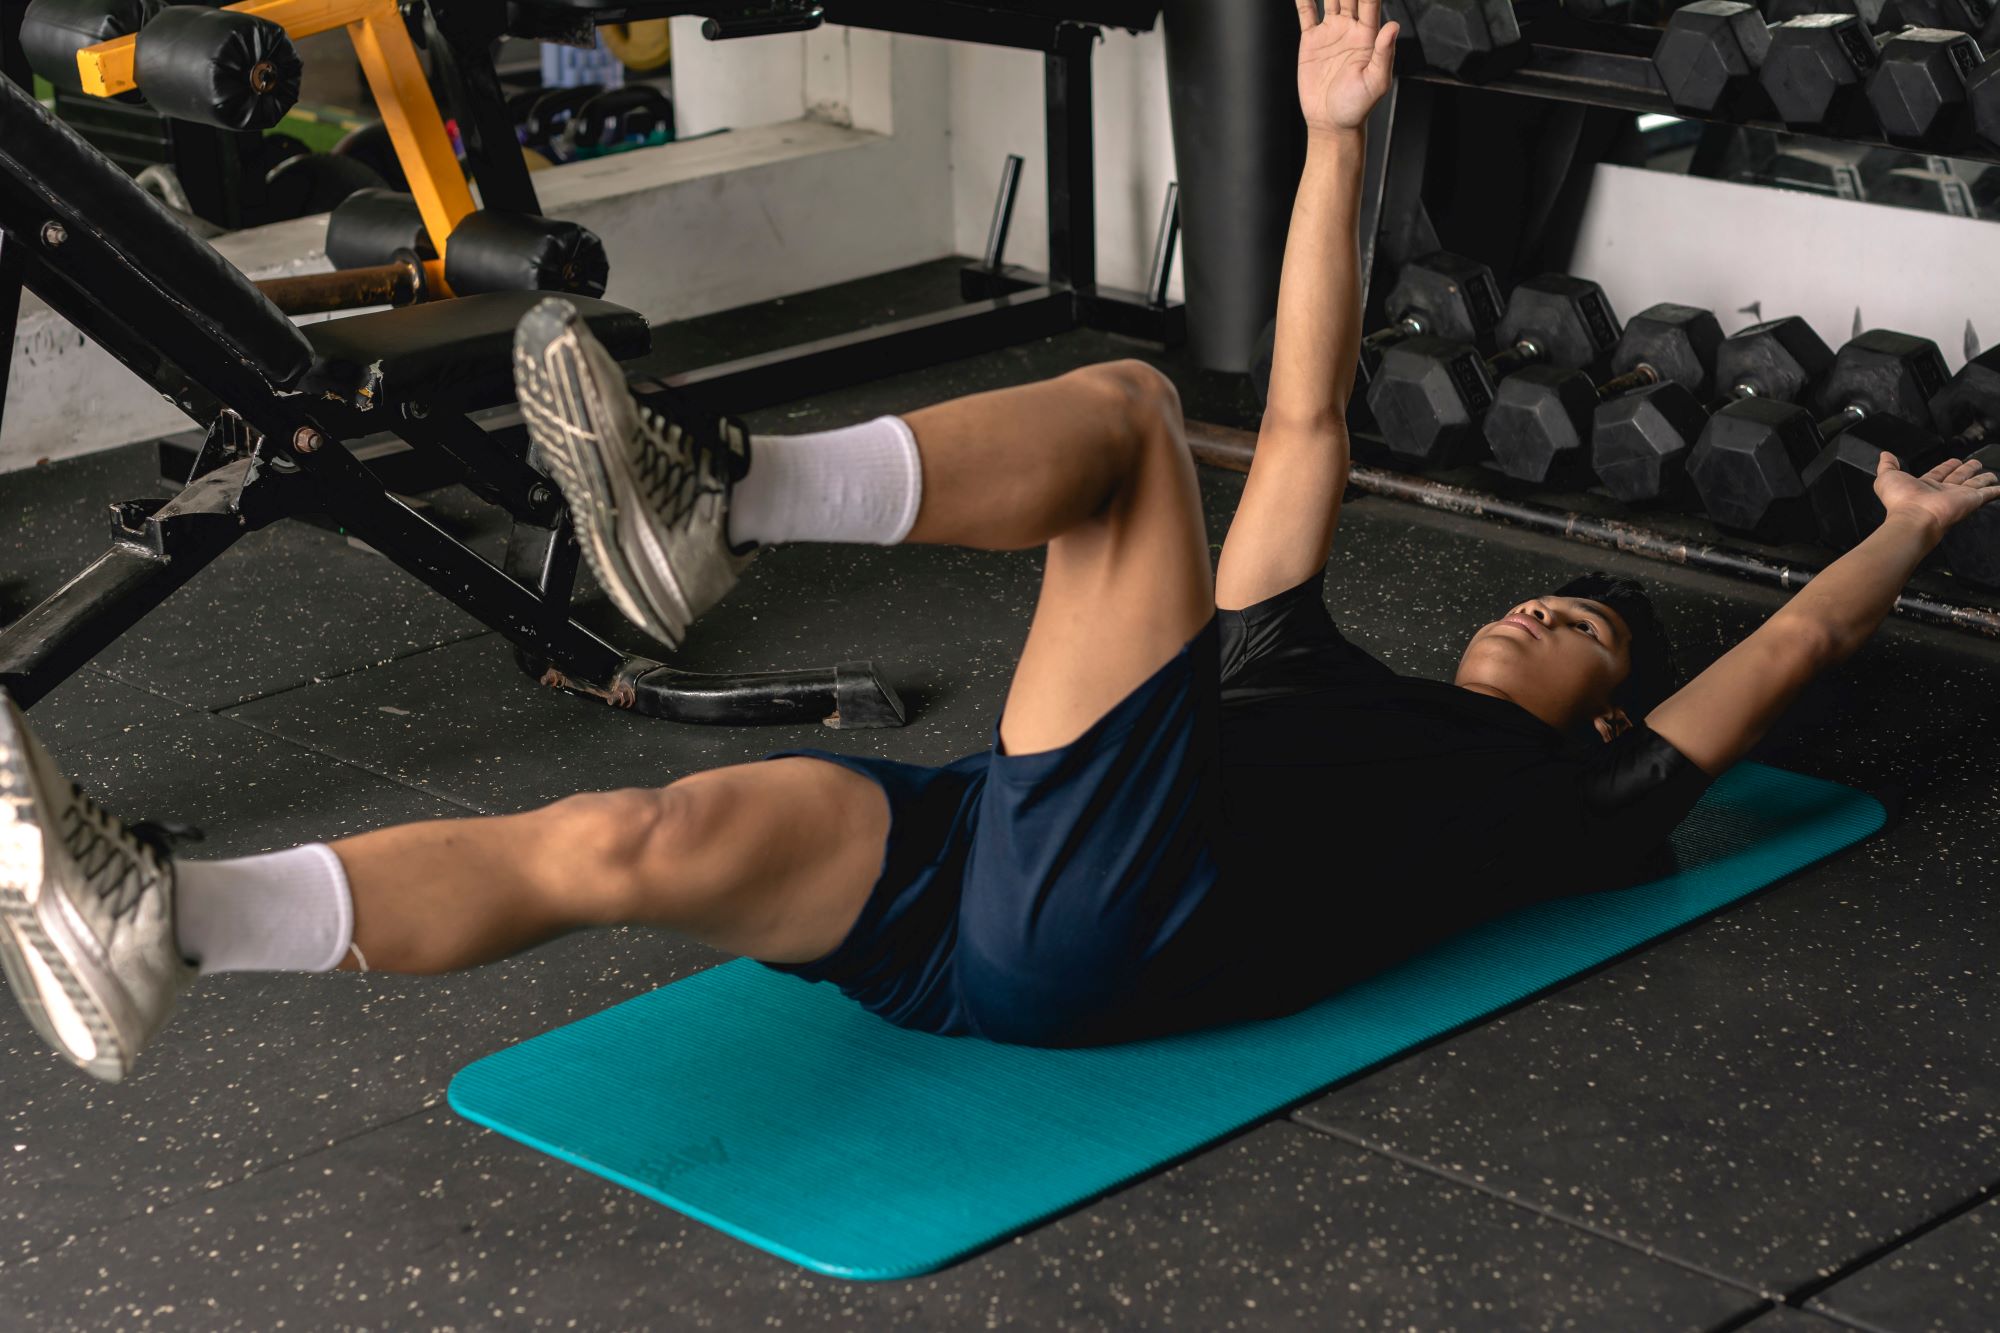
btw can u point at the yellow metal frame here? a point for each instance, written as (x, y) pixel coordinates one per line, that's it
(388, 59)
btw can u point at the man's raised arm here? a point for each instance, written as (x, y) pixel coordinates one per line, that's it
(1725, 710)
(1283, 530)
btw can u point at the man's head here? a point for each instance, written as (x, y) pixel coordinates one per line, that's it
(1590, 656)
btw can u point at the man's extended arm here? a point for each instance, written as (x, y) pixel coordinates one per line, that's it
(1284, 525)
(1724, 711)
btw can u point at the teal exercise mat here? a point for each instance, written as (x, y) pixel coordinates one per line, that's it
(785, 1115)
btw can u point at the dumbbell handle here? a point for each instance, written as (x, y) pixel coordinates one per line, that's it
(1828, 427)
(1405, 326)
(1638, 377)
(1524, 352)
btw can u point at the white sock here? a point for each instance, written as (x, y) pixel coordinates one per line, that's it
(861, 484)
(287, 911)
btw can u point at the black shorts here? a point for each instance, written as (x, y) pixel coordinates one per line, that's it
(1076, 896)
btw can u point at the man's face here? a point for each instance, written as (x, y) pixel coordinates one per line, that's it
(1558, 657)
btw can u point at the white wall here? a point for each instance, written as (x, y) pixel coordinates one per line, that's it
(996, 109)
(1649, 236)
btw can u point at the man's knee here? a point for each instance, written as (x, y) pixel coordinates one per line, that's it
(1151, 434)
(620, 842)
(1150, 404)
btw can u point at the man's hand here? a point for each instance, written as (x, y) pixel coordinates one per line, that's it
(1945, 496)
(1344, 62)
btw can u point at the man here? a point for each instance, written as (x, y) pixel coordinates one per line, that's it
(1201, 803)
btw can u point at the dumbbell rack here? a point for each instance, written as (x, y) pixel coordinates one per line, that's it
(1610, 65)
(1587, 66)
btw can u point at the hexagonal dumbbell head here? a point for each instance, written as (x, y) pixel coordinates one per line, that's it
(1840, 483)
(1982, 99)
(1447, 295)
(1639, 443)
(1972, 549)
(1427, 399)
(1969, 16)
(1816, 71)
(1709, 56)
(1537, 426)
(1470, 38)
(1918, 91)
(1568, 319)
(1886, 373)
(1675, 342)
(1967, 410)
(1746, 468)
(1779, 359)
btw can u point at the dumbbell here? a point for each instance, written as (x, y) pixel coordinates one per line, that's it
(1539, 428)
(309, 183)
(1967, 412)
(1918, 91)
(1748, 463)
(1430, 393)
(1639, 444)
(1472, 39)
(1708, 59)
(1441, 294)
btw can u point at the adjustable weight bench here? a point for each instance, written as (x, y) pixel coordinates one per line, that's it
(281, 405)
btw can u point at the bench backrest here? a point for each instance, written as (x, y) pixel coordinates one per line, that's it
(79, 187)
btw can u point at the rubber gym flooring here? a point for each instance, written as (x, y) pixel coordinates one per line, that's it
(1785, 1119)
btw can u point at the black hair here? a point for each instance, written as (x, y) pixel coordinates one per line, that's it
(1652, 677)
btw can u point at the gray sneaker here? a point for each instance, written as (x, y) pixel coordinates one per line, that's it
(86, 912)
(649, 493)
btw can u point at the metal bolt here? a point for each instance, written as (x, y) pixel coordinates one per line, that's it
(540, 495)
(416, 411)
(54, 234)
(308, 440)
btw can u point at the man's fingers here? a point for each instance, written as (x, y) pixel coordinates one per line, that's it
(1308, 15)
(1887, 463)
(1942, 470)
(1370, 13)
(1383, 62)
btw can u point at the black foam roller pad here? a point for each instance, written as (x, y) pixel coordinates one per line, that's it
(369, 226)
(53, 31)
(519, 252)
(218, 67)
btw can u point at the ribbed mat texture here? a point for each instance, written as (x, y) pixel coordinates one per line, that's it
(781, 1113)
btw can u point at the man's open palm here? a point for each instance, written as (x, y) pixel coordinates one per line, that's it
(1949, 492)
(1345, 61)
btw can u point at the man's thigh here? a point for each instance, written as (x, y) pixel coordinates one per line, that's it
(1127, 583)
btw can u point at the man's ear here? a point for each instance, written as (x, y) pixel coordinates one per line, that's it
(1610, 725)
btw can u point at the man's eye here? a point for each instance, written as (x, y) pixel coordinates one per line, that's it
(1586, 625)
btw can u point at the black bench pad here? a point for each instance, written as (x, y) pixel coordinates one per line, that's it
(455, 355)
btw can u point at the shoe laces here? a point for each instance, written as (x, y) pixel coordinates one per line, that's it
(678, 469)
(120, 865)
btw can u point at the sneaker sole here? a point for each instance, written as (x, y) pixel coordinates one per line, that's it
(22, 871)
(597, 487)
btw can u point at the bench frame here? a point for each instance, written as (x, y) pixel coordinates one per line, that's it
(271, 453)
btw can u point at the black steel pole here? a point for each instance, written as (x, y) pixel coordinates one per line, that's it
(1240, 141)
